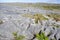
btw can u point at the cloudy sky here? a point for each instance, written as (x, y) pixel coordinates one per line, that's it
(33, 1)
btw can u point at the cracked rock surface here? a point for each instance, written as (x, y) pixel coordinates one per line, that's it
(25, 26)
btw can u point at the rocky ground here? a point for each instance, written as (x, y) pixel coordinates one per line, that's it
(13, 21)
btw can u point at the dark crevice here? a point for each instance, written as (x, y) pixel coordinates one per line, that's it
(34, 37)
(51, 39)
(59, 39)
(49, 34)
(40, 32)
(55, 36)
(53, 28)
(28, 27)
(44, 29)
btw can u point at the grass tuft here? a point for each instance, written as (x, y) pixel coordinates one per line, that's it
(41, 36)
(18, 37)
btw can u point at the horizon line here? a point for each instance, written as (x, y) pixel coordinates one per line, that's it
(29, 2)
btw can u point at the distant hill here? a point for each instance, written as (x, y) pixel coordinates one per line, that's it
(37, 5)
(41, 4)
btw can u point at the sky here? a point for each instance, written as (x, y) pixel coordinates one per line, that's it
(32, 1)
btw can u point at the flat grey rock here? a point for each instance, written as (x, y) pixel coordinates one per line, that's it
(13, 21)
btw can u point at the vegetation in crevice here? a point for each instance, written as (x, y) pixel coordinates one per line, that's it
(55, 16)
(18, 37)
(28, 15)
(37, 17)
(41, 37)
(56, 25)
(1, 22)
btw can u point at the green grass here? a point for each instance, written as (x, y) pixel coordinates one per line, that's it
(18, 37)
(41, 36)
